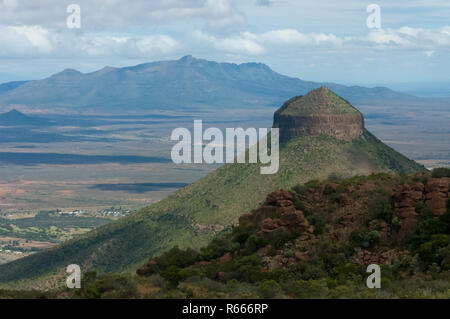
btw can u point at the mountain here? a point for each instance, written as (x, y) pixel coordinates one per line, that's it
(5, 87)
(321, 147)
(184, 83)
(16, 118)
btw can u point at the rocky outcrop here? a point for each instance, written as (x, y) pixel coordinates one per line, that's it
(343, 127)
(319, 112)
(387, 257)
(148, 268)
(278, 214)
(437, 194)
(434, 194)
(405, 199)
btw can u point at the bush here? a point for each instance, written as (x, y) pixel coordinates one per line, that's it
(109, 286)
(253, 243)
(441, 172)
(217, 248)
(248, 268)
(362, 239)
(270, 289)
(310, 288)
(173, 275)
(381, 207)
(177, 257)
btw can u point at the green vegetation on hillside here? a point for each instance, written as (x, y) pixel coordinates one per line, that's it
(321, 101)
(240, 263)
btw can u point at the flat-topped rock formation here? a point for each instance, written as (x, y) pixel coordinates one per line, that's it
(319, 112)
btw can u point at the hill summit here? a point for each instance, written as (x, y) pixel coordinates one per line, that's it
(15, 117)
(319, 112)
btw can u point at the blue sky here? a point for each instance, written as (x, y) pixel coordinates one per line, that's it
(321, 40)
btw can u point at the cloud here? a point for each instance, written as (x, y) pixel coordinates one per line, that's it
(263, 3)
(24, 41)
(407, 37)
(240, 44)
(295, 37)
(115, 14)
(217, 13)
(274, 40)
(131, 47)
(261, 43)
(12, 4)
(35, 41)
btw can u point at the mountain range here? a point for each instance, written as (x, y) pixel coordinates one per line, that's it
(186, 83)
(323, 135)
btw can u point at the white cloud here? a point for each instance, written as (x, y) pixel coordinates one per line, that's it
(132, 47)
(408, 37)
(115, 14)
(218, 13)
(34, 41)
(240, 44)
(24, 41)
(12, 4)
(271, 41)
(294, 37)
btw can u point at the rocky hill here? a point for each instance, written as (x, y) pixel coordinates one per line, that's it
(319, 112)
(194, 215)
(316, 240)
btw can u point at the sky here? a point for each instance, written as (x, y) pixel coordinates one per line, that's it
(320, 40)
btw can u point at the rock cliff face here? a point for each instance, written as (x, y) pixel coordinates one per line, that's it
(319, 112)
(278, 214)
(434, 194)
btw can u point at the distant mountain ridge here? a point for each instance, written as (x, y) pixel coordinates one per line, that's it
(184, 83)
(16, 118)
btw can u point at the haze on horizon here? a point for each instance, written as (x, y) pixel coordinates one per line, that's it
(322, 41)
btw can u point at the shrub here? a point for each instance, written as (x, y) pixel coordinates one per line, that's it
(253, 243)
(109, 286)
(248, 268)
(173, 275)
(441, 172)
(217, 248)
(381, 207)
(270, 289)
(430, 251)
(177, 257)
(362, 239)
(311, 288)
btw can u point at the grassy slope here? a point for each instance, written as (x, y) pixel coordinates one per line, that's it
(219, 198)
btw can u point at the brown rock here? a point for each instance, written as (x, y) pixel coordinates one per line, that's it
(220, 276)
(436, 203)
(225, 258)
(344, 199)
(301, 255)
